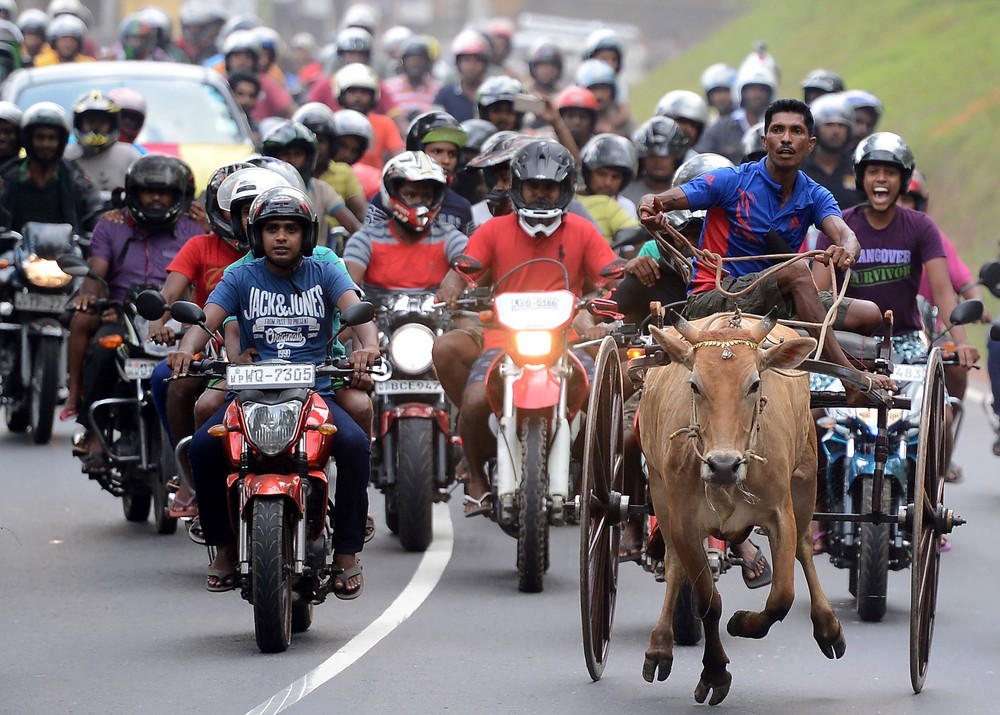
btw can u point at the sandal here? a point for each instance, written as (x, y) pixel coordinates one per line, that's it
(759, 562)
(225, 579)
(184, 508)
(342, 576)
(68, 413)
(369, 528)
(474, 507)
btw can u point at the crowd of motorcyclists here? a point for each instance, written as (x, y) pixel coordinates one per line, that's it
(380, 164)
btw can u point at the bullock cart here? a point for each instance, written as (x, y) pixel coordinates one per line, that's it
(603, 507)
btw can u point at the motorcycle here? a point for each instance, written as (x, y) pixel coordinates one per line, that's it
(131, 436)
(536, 389)
(34, 293)
(870, 550)
(412, 460)
(278, 437)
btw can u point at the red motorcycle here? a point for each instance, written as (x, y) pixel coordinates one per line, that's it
(278, 435)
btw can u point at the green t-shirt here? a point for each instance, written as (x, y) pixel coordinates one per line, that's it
(649, 248)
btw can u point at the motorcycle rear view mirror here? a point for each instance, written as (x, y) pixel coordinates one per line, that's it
(615, 269)
(150, 304)
(604, 307)
(466, 265)
(184, 312)
(989, 276)
(968, 311)
(363, 312)
(75, 266)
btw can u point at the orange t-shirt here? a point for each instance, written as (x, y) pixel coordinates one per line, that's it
(202, 261)
(387, 139)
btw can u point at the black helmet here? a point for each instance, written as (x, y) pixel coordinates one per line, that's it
(419, 46)
(545, 52)
(44, 114)
(477, 131)
(283, 202)
(497, 150)
(434, 126)
(96, 102)
(286, 135)
(821, 81)
(609, 151)
(220, 226)
(884, 148)
(548, 161)
(318, 118)
(660, 136)
(156, 171)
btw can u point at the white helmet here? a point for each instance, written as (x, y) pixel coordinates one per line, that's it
(356, 75)
(10, 7)
(413, 166)
(718, 76)
(361, 15)
(66, 26)
(70, 7)
(394, 38)
(683, 104)
(350, 123)
(754, 72)
(239, 189)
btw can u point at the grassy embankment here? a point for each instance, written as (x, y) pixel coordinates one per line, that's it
(933, 64)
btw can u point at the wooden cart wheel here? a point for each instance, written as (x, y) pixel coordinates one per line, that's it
(600, 506)
(927, 513)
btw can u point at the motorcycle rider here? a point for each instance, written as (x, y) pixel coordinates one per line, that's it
(320, 120)
(867, 113)
(830, 164)
(606, 46)
(292, 142)
(242, 51)
(283, 232)
(717, 82)
(11, 118)
(354, 136)
(97, 151)
(131, 246)
(468, 182)
(473, 55)
(414, 88)
(438, 135)
(131, 117)
(820, 82)
(44, 186)
(65, 34)
(495, 103)
(410, 248)
(542, 188)
(661, 146)
(578, 109)
(357, 87)
(756, 85)
(600, 78)
(689, 111)
(608, 163)
(545, 65)
(201, 23)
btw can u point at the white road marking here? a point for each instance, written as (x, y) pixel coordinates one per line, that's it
(424, 580)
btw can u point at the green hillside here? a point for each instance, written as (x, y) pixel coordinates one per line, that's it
(930, 63)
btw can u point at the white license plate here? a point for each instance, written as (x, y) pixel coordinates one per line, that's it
(401, 387)
(139, 369)
(269, 377)
(908, 373)
(40, 302)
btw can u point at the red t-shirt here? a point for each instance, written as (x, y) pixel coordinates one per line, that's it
(501, 245)
(202, 261)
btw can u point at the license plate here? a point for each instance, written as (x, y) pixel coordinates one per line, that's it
(40, 302)
(139, 369)
(401, 387)
(269, 377)
(908, 373)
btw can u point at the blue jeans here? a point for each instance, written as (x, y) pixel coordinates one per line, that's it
(351, 449)
(158, 386)
(993, 367)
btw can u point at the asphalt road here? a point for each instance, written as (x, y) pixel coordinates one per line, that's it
(103, 616)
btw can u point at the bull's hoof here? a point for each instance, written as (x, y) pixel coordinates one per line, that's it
(748, 624)
(835, 647)
(657, 661)
(718, 684)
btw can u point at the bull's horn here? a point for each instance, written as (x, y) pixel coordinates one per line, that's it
(687, 331)
(766, 324)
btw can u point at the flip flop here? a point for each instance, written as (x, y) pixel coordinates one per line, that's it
(474, 507)
(345, 575)
(631, 552)
(758, 560)
(184, 509)
(369, 528)
(68, 413)
(226, 579)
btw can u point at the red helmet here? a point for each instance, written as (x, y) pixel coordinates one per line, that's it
(574, 97)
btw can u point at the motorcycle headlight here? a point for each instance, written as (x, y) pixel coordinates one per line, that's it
(533, 343)
(44, 272)
(410, 348)
(271, 428)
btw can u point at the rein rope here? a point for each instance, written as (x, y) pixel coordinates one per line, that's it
(713, 260)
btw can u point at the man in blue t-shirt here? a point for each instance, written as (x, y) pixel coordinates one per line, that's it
(285, 303)
(766, 208)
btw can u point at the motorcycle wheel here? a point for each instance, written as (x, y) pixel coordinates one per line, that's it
(533, 522)
(44, 392)
(687, 625)
(873, 560)
(414, 490)
(392, 510)
(158, 483)
(302, 616)
(19, 418)
(137, 499)
(271, 578)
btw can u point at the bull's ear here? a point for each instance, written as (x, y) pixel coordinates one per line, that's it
(788, 354)
(677, 350)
